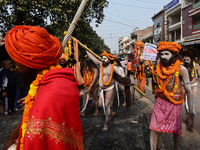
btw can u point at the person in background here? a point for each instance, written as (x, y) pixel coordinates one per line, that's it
(8, 86)
(21, 88)
(123, 63)
(63, 61)
(128, 67)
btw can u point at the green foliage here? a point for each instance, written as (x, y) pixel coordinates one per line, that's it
(60, 13)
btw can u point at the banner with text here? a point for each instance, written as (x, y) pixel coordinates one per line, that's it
(150, 51)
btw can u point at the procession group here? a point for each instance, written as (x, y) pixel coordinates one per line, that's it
(51, 118)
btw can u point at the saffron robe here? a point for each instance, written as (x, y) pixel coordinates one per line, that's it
(54, 121)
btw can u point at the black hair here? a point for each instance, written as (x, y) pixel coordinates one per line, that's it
(118, 62)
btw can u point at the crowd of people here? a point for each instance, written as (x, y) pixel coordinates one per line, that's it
(12, 87)
(52, 105)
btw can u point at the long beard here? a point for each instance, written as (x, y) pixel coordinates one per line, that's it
(187, 65)
(164, 62)
(105, 64)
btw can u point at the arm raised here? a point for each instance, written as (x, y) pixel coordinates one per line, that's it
(94, 59)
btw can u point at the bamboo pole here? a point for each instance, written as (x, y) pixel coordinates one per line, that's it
(135, 87)
(73, 24)
(89, 50)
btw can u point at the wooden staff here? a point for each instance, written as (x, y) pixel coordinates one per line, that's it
(89, 50)
(135, 87)
(73, 24)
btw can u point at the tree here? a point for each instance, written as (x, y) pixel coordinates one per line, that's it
(40, 12)
(60, 13)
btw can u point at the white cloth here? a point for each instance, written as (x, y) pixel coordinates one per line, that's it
(85, 103)
(123, 63)
(102, 96)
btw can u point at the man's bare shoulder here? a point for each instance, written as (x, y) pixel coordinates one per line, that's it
(183, 70)
(196, 65)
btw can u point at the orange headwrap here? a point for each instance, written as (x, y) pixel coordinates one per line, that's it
(109, 56)
(32, 46)
(171, 46)
(139, 44)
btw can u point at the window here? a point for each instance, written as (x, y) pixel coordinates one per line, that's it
(172, 35)
(178, 34)
(196, 22)
(196, 4)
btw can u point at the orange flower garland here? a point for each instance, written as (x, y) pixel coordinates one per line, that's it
(172, 46)
(111, 74)
(141, 74)
(153, 72)
(87, 77)
(29, 102)
(168, 74)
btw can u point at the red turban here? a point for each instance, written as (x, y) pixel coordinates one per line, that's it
(32, 46)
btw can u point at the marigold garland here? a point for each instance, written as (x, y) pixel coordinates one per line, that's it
(141, 74)
(153, 72)
(172, 46)
(168, 74)
(111, 74)
(29, 102)
(87, 77)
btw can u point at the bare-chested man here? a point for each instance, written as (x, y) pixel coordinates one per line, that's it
(91, 85)
(106, 83)
(194, 73)
(166, 115)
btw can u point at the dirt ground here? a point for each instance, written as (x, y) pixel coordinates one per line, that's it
(128, 130)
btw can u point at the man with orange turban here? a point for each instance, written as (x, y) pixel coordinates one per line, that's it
(141, 68)
(51, 116)
(166, 114)
(106, 83)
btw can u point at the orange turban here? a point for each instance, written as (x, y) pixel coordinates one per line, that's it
(109, 56)
(32, 46)
(171, 46)
(139, 44)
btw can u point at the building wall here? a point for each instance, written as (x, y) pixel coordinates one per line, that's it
(187, 21)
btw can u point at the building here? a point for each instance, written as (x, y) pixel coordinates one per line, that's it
(173, 22)
(159, 27)
(148, 36)
(124, 46)
(191, 25)
(145, 35)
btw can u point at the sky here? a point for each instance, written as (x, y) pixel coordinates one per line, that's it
(122, 17)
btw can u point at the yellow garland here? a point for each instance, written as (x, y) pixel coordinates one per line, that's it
(70, 46)
(29, 101)
(111, 74)
(168, 74)
(193, 70)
